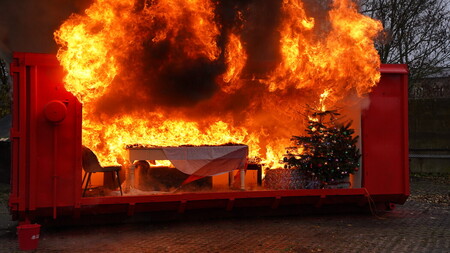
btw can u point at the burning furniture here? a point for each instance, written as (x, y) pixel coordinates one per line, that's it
(198, 162)
(92, 165)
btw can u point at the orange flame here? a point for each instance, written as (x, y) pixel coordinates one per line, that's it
(163, 73)
(235, 58)
(344, 59)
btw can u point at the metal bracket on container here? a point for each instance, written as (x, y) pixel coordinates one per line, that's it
(276, 202)
(320, 201)
(182, 206)
(131, 207)
(230, 204)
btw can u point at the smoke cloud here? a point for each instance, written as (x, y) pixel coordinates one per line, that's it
(161, 77)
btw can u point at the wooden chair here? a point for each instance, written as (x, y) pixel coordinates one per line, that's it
(92, 165)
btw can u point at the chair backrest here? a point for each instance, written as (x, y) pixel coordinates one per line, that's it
(90, 161)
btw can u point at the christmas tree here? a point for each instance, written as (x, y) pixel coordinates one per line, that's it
(328, 152)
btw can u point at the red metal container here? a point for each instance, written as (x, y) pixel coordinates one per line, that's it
(46, 154)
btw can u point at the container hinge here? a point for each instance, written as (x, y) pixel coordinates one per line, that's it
(131, 208)
(321, 200)
(230, 204)
(276, 202)
(182, 206)
(13, 200)
(14, 134)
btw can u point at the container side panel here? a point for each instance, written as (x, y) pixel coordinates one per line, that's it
(384, 125)
(46, 132)
(31, 137)
(18, 138)
(50, 150)
(57, 141)
(21, 134)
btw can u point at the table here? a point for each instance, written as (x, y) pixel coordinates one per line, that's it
(196, 161)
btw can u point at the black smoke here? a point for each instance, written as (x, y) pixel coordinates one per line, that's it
(161, 75)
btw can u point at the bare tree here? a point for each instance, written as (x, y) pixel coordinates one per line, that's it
(5, 96)
(416, 32)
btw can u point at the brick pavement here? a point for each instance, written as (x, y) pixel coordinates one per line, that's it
(418, 226)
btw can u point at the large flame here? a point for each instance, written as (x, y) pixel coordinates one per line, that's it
(175, 72)
(235, 58)
(342, 58)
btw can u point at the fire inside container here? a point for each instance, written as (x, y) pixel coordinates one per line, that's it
(218, 89)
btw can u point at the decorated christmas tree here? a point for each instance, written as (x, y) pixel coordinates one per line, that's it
(327, 153)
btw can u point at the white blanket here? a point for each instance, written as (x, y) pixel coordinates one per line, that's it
(207, 160)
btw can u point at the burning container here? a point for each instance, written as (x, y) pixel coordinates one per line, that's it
(46, 173)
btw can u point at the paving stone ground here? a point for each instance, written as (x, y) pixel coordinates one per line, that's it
(422, 224)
